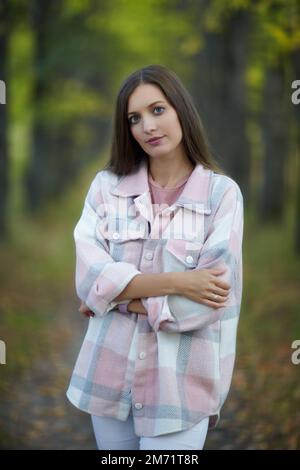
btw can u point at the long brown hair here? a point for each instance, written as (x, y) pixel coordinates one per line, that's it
(126, 154)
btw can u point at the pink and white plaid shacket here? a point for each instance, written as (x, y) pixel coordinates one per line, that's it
(174, 366)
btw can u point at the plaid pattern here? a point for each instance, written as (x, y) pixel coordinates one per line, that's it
(174, 366)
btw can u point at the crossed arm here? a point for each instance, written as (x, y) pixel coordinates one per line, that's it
(201, 286)
(101, 283)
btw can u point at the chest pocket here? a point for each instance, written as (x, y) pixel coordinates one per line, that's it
(181, 255)
(182, 251)
(116, 230)
(124, 237)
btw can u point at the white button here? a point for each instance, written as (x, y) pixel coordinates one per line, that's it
(189, 259)
(116, 235)
(149, 255)
(142, 355)
(138, 406)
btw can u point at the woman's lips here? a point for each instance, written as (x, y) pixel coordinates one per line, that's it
(156, 141)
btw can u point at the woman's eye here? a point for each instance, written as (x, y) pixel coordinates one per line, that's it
(159, 107)
(132, 117)
(131, 120)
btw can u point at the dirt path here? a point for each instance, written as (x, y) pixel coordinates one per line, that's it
(37, 414)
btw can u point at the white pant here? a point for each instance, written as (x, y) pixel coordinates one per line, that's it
(113, 434)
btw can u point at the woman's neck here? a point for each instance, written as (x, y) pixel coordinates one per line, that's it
(167, 175)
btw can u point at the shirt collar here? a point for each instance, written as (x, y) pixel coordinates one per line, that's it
(195, 195)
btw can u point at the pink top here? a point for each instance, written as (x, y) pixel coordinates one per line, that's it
(165, 196)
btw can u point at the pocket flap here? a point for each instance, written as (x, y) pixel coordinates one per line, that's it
(187, 252)
(121, 230)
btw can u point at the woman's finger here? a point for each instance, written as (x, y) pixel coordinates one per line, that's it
(88, 313)
(218, 291)
(85, 310)
(222, 284)
(217, 298)
(217, 271)
(83, 307)
(213, 304)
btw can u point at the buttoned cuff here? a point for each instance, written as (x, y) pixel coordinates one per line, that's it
(109, 284)
(158, 311)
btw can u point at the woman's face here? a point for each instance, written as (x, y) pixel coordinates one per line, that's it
(151, 115)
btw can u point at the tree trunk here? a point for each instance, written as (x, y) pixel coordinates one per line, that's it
(221, 97)
(275, 136)
(38, 173)
(56, 154)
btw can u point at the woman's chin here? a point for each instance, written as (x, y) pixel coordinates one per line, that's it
(159, 153)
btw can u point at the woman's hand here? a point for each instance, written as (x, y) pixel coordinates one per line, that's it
(136, 306)
(202, 286)
(85, 310)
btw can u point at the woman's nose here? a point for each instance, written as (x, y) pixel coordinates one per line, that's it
(149, 125)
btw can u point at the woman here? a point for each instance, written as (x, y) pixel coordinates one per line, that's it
(159, 272)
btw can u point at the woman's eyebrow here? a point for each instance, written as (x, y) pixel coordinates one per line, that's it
(159, 101)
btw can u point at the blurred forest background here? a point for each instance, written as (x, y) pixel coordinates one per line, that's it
(63, 63)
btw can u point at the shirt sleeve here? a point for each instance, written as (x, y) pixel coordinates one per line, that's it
(98, 278)
(222, 248)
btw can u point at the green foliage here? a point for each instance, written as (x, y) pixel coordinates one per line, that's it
(70, 101)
